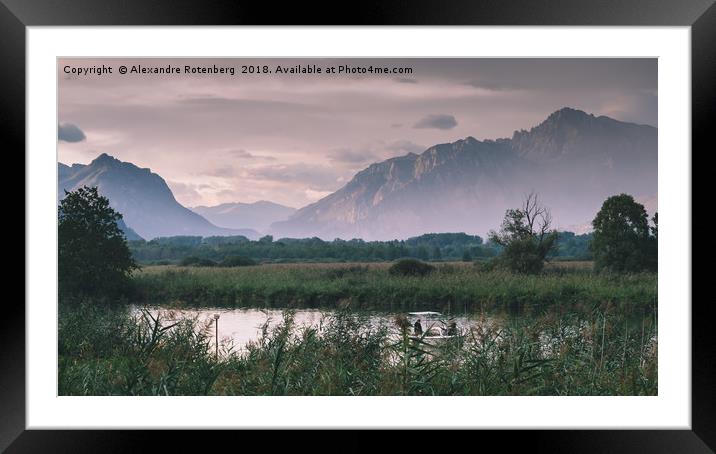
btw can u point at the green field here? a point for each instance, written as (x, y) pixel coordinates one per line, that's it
(453, 286)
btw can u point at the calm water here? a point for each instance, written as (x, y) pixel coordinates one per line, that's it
(240, 326)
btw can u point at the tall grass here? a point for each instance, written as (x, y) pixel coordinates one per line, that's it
(603, 351)
(373, 287)
(107, 351)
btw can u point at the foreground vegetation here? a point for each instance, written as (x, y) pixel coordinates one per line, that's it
(105, 351)
(373, 286)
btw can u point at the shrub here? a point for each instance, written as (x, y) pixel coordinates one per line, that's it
(410, 267)
(237, 260)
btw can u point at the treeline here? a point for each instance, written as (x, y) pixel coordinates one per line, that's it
(429, 247)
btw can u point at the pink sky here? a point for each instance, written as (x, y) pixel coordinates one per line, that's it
(293, 139)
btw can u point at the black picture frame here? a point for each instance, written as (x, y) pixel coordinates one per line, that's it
(700, 15)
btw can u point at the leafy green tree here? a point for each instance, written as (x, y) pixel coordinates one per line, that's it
(93, 257)
(623, 240)
(527, 237)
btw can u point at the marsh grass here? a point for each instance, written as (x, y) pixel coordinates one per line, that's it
(108, 351)
(600, 351)
(371, 286)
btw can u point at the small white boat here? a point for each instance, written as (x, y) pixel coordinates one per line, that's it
(434, 326)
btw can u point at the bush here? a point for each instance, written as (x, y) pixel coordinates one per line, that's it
(196, 261)
(410, 267)
(237, 260)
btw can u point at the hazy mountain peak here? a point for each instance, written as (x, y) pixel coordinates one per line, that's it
(568, 113)
(104, 158)
(143, 198)
(257, 215)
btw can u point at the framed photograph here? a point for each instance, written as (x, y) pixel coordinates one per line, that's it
(441, 218)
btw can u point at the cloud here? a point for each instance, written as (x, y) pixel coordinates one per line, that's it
(316, 177)
(243, 154)
(405, 80)
(185, 192)
(67, 132)
(350, 156)
(220, 103)
(224, 171)
(436, 121)
(405, 145)
(314, 196)
(494, 85)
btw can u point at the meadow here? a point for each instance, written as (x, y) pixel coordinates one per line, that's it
(452, 286)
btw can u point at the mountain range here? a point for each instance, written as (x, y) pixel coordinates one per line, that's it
(572, 159)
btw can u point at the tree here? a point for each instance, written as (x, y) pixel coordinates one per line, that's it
(623, 241)
(93, 257)
(527, 236)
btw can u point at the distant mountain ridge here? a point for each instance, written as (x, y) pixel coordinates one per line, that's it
(574, 160)
(258, 215)
(143, 197)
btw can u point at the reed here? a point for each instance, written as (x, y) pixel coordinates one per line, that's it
(598, 351)
(372, 286)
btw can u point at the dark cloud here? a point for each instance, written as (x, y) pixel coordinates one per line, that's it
(405, 80)
(436, 121)
(243, 154)
(67, 132)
